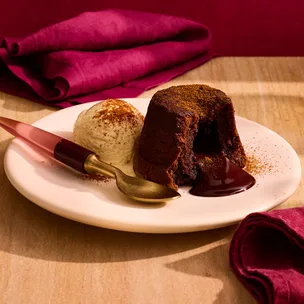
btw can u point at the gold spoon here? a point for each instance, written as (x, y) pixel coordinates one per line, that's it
(86, 161)
(136, 188)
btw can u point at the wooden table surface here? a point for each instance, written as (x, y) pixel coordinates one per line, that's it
(48, 259)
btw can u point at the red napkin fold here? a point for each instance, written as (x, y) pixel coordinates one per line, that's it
(98, 55)
(267, 255)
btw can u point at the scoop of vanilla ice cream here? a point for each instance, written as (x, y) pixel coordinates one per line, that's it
(110, 129)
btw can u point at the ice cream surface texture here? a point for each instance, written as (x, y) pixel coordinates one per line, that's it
(110, 128)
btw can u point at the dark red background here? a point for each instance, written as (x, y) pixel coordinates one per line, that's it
(239, 27)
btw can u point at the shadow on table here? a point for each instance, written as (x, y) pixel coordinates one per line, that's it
(30, 231)
(214, 264)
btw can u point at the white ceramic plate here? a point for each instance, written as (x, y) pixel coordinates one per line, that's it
(61, 190)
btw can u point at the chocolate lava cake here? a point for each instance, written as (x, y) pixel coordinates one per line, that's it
(186, 126)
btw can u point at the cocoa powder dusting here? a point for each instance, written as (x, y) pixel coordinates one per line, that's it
(119, 112)
(199, 98)
(95, 177)
(257, 166)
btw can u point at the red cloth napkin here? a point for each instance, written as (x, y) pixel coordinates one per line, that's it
(267, 255)
(97, 55)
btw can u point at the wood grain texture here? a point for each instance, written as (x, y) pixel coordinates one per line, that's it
(48, 259)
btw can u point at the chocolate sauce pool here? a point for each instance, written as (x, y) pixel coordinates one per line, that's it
(218, 176)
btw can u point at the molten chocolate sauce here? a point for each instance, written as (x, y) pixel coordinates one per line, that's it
(218, 176)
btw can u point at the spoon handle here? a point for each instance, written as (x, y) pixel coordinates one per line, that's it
(54, 146)
(71, 154)
(61, 149)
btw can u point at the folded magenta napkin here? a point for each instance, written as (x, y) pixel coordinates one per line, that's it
(97, 55)
(267, 255)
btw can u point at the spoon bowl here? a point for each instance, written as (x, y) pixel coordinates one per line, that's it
(136, 188)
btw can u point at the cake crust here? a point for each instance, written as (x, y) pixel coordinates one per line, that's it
(182, 124)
